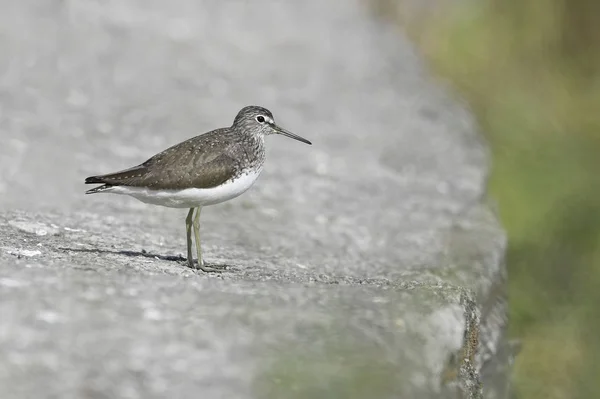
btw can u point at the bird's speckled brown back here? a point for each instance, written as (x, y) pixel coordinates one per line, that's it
(203, 161)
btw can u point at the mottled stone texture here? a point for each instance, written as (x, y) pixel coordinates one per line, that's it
(365, 266)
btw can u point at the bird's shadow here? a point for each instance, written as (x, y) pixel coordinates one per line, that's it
(144, 253)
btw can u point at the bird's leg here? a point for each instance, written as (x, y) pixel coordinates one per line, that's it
(188, 226)
(197, 235)
(198, 244)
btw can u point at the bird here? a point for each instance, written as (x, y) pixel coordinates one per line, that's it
(208, 169)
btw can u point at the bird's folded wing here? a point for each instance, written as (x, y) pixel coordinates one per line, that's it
(185, 171)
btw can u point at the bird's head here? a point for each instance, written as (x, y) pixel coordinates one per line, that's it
(259, 121)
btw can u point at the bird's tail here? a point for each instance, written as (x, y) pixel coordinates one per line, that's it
(94, 180)
(99, 189)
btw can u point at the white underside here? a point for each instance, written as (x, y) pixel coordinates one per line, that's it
(190, 197)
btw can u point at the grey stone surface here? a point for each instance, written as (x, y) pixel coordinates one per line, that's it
(365, 266)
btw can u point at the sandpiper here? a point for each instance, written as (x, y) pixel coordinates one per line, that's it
(204, 170)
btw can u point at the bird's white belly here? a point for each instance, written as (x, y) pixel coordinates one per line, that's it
(191, 197)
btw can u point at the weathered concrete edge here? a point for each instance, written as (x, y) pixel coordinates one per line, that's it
(477, 245)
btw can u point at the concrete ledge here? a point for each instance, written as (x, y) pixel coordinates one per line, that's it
(367, 265)
(83, 313)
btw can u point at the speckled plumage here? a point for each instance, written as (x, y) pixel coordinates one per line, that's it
(204, 170)
(203, 161)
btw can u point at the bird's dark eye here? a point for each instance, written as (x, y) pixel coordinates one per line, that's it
(260, 119)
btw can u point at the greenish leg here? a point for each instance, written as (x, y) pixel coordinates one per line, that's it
(197, 235)
(198, 244)
(188, 226)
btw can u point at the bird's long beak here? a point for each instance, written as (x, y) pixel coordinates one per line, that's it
(284, 132)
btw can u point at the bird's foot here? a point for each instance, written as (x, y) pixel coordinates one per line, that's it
(207, 268)
(210, 269)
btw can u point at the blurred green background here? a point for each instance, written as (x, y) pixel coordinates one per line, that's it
(530, 71)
